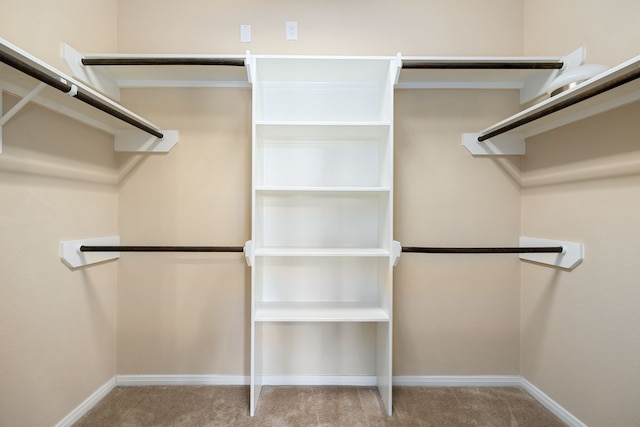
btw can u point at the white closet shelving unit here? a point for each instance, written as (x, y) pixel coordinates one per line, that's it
(322, 238)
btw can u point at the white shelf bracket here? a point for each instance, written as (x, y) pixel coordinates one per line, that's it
(249, 63)
(396, 68)
(572, 253)
(396, 251)
(72, 257)
(90, 75)
(13, 111)
(510, 144)
(140, 142)
(249, 254)
(536, 86)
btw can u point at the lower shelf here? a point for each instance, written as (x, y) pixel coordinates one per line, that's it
(320, 252)
(320, 312)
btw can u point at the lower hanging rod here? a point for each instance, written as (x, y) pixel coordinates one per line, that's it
(503, 250)
(85, 248)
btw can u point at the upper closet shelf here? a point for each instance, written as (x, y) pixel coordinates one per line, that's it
(109, 72)
(605, 91)
(35, 81)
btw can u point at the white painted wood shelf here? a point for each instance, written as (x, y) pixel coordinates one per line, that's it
(613, 88)
(320, 312)
(530, 75)
(91, 112)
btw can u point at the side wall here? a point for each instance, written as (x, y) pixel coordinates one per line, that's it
(580, 329)
(57, 182)
(181, 314)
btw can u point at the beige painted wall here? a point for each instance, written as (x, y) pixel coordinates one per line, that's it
(355, 27)
(190, 314)
(57, 182)
(455, 314)
(39, 27)
(187, 313)
(608, 29)
(581, 329)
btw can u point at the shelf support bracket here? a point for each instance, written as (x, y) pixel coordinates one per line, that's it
(512, 144)
(101, 81)
(396, 251)
(13, 111)
(73, 257)
(138, 142)
(249, 253)
(536, 86)
(572, 253)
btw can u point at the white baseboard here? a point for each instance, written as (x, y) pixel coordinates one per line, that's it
(353, 380)
(142, 380)
(568, 418)
(458, 380)
(88, 403)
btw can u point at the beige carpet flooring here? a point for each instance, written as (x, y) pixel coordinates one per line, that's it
(200, 406)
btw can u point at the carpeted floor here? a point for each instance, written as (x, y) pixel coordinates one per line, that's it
(200, 406)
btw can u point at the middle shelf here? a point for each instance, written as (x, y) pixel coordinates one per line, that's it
(297, 219)
(323, 155)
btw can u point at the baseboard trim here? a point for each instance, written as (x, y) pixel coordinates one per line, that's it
(146, 380)
(353, 380)
(566, 417)
(87, 404)
(458, 380)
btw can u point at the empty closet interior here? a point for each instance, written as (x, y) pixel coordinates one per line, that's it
(305, 212)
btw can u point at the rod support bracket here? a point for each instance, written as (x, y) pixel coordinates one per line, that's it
(571, 256)
(511, 144)
(73, 257)
(140, 142)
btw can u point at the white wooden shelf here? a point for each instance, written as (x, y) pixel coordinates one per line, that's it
(445, 73)
(481, 73)
(320, 312)
(321, 252)
(348, 98)
(328, 124)
(613, 88)
(81, 102)
(337, 190)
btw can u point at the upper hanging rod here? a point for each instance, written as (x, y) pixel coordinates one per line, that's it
(432, 250)
(499, 250)
(236, 62)
(482, 65)
(61, 84)
(87, 248)
(571, 100)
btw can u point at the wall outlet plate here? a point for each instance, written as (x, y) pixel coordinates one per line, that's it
(245, 33)
(291, 30)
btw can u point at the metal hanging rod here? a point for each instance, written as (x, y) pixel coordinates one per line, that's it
(86, 248)
(604, 87)
(503, 250)
(236, 62)
(61, 84)
(432, 250)
(482, 65)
